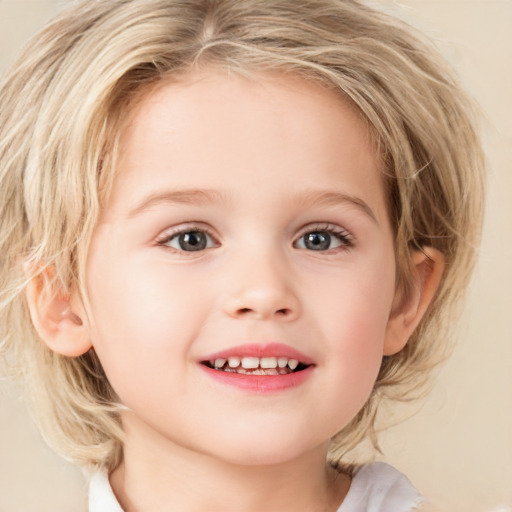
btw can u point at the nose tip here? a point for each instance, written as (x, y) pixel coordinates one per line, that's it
(259, 284)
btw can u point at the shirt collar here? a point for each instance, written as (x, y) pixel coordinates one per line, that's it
(101, 496)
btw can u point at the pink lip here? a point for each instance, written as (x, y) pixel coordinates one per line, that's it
(260, 383)
(257, 350)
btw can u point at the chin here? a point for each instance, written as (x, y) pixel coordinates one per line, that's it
(263, 450)
(255, 458)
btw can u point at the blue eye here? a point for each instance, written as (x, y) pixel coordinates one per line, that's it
(323, 240)
(189, 241)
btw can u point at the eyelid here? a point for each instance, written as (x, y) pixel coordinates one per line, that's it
(332, 229)
(170, 233)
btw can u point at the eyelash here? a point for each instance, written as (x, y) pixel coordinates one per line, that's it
(192, 228)
(343, 236)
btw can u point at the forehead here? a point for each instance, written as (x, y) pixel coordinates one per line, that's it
(211, 130)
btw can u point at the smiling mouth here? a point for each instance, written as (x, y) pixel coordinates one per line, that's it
(256, 365)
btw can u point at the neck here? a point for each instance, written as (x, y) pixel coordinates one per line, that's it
(157, 474)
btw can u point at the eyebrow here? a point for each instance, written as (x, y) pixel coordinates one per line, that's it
(330, 198)
(207, 196)
(189, 196)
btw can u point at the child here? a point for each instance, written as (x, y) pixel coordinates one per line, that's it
(229, 230)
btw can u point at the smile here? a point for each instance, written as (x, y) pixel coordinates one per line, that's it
(267, 368)
(257, 365)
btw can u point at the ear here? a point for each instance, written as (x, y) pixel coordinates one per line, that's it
(407, 312)
(58, 317)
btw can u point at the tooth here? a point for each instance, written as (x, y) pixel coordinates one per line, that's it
(282, 362)
(268, 362)
(233, 362)
(250, 362)
(293, 363)
(261, 371)
(219, 363)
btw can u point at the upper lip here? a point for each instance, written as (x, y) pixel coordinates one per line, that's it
(260, 350)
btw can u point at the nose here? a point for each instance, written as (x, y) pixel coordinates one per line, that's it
(262, 290)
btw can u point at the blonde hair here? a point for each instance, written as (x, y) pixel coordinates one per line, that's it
(61, 109)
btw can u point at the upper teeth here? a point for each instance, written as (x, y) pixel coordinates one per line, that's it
(256, 362)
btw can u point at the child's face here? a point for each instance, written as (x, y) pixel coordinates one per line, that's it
(248, 219)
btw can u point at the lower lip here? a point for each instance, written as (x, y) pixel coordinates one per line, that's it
(259, 383)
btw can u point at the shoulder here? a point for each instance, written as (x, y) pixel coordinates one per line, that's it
(101, 496)
(379, 487)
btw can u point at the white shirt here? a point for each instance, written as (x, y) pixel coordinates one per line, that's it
(375, 487)
(379, 487)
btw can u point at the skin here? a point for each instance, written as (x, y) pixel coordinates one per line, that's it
(264, 157)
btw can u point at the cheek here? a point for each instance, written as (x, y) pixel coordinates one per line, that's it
(358, 340)
(356, 302)
(354, 308)
(142, 319)
(355, 359)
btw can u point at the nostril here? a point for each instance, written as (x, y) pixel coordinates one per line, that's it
(280, 312)
(263, 312)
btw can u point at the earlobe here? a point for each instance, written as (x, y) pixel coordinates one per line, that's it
(407, 312)
(58, 319)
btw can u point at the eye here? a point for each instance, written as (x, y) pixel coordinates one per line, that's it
(324, 239)
(190, 240)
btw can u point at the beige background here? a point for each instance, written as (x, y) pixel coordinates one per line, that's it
(458, 448)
